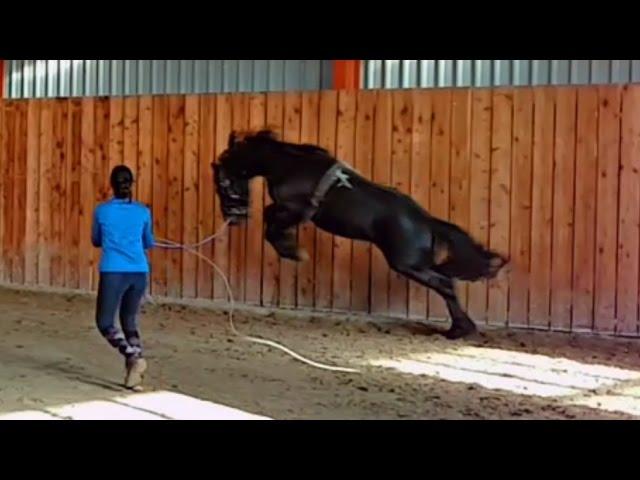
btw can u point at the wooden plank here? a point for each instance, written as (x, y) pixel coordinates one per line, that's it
(20, 190)
(144, 164)
(255, 226)
(440, 176)
(307, 232)
(291, 133)
(116, 132)
(459, 200)
(190, 194)
(542, 208)
(130, 133)
(361, 251)
(500, 198)
(206, 195)
(380, 271)
(400, 180)
(628, 228)
(520, 235)
(72, 208)
(4, 135)
(87, 192)
(420, 182)
(221, 247)
(59, 192)
(238, 234)
(563, 210)
(8, 147)
(324, 241)
(479, 192)
(607, 208)
(144, 177)
(271, 261)
(32, 192)
(101, 167)
(175, 166)
(160, 171)
(342, 247)
(585, 213)
(44, 188)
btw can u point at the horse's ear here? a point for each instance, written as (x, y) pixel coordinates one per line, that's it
(232, 139)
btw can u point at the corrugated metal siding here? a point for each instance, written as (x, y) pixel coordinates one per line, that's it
(85, 78)
(490, 73)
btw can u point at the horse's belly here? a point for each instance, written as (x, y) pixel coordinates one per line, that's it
(344, 226)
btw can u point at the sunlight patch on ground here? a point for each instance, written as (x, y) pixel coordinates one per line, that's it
(528, 374)
(161, 405)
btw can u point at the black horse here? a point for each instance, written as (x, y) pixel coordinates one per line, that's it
(307, 184)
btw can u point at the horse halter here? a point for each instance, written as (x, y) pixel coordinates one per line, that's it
(233, 194)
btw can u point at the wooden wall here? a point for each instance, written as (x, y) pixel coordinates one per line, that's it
(547, 175)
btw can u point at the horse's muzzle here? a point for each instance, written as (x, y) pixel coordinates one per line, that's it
(233, 195)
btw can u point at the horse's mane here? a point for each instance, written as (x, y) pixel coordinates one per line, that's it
(270, 136)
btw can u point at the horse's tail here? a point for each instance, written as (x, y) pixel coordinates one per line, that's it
(467, 259)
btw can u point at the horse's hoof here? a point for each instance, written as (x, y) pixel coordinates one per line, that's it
(460, 331)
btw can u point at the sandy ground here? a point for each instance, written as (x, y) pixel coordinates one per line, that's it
(51, 355)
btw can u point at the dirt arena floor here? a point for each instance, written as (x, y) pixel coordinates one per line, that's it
(53, 362)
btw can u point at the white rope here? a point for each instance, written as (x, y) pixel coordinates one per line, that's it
(169, 244)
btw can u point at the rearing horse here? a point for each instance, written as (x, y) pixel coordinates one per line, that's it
(306, 183)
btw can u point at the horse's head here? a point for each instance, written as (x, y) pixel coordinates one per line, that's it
(244, 157)
(241, 161)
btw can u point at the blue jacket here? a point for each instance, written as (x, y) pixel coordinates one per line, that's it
(124, 231)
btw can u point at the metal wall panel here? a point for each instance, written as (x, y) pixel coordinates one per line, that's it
(580, 72)
(600, 71)
(276, 75)
(65, 78)
(620, 71)
(245, 76)
(464, 73)
(52, 78)
(200, 77)
(391, 74)
(540, 72)
(326, 74)
(29, 79)
(502, 73)
(483, 75)
(292, 74)
(90, 78)
(117, 78)
(172, 76)
(40, 88)
(130, 77)
(521, 72)
(76, 78)
(104, 77)
(15, 86)
(490, 73)
(61, 78)
(215, 75)
(444, 73)
(635, 70)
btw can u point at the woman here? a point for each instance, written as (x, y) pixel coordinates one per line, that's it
(123, 229)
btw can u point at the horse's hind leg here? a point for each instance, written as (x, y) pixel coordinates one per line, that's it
(461, 324)
(279, 232)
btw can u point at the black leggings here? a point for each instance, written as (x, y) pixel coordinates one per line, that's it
(123, 292)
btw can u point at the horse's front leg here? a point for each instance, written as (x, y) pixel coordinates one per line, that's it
(280, 221)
